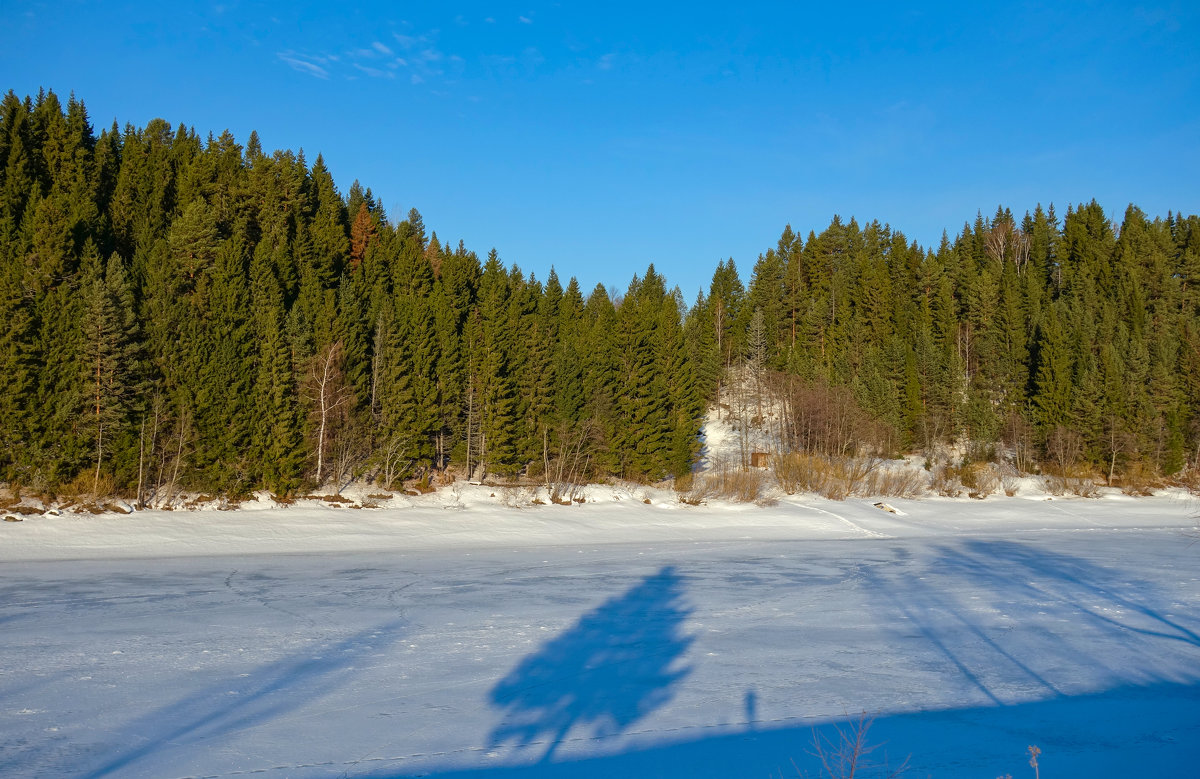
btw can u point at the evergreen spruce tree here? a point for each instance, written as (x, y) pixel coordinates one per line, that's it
(276, 444)
(109, 340)
(1052, 398)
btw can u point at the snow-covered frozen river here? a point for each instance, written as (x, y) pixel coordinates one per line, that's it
(711, 644)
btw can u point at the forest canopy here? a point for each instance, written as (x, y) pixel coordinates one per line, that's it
(186, 313)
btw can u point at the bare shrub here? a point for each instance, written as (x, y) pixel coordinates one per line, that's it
(1011, 483)
(394, 459)
(799, 472)
(768, 498)
(896, 483)
(744, 486)
(566, 462)
(1138, 480)
(1065, 447)
(1085, 487)
(844, 755)
(978, 480)
(693, 489)
(740, 485)
(1076, 480)
(839, 477)
(985, 480)
(820, 417)
(944, 481)
(1019, 437)
(1188, 479)
(855, 471)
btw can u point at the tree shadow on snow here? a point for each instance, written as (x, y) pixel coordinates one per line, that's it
(1083, 609)
(617, 664)
(1131, 721)
(236, 704)
(1127, 731)
(1089, 588)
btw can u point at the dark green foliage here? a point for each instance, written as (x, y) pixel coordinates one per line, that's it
(108, 345)
(164, 298)
(1083, 332)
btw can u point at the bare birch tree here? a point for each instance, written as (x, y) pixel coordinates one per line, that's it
(325, 387)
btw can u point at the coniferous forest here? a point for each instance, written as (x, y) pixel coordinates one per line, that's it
(187, 313)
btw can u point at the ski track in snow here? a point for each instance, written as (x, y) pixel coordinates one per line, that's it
(852, 525)
(621, 640)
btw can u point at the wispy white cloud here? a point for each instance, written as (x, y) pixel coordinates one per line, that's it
(304, 64)
(524, 20)
(414, 54)
(423, 56)
(364, 59)
(374, 72)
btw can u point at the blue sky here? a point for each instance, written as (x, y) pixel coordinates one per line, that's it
(599, 138)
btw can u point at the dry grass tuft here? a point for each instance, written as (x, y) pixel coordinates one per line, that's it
(896, 483)
(86, 485)
(976, 479)
(838, 478)
(742, 486)
(944, 480)
(1188, 479)
(25, 511)
(1139, 481)
(1010, 477)
(985, 480)
(800, 472)
(1074, 479)
(330, 498)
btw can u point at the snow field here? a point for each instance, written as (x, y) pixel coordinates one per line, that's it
(452, 636)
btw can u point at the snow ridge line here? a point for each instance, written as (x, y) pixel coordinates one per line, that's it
(538, 743)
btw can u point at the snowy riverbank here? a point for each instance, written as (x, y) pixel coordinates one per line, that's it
(454, 635)
(477, 516)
